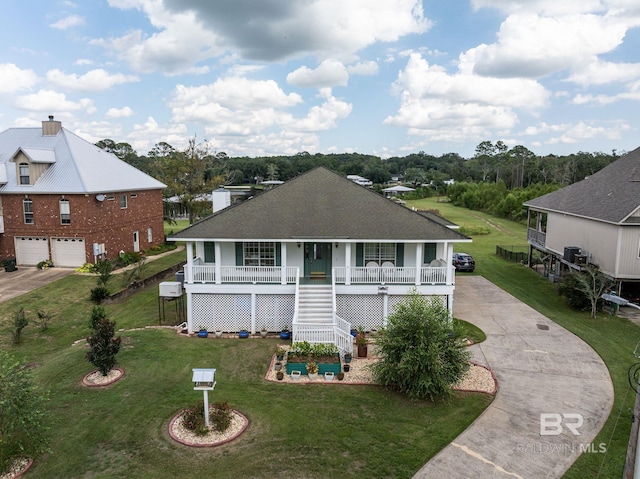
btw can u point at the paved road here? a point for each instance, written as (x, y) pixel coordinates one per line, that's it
(539, 371)
(27, 278)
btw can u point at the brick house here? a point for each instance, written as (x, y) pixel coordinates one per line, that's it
(66, 200)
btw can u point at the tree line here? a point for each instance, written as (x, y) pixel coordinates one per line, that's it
(496, 179)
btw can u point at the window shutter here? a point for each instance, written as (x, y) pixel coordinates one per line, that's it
(209, 252)
(278, 254)
(359, 254)
(239, 256)
(399, 255)
(429, 252)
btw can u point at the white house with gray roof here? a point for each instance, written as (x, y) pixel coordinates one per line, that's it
(594, 221)
(318, 255)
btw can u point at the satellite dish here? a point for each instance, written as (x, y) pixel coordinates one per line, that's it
(100, 197)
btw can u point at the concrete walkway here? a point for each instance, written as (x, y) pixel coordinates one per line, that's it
(27, 278)
(541, 369)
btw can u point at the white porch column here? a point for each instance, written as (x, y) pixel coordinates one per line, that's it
(418, 263)
(189, 313)
(385, 310)
(218, 265)
(449, 257)
(253, 313)
(283, 263)
(347, 263)
(189, 278)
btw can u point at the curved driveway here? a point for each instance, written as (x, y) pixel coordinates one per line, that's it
(541, 369)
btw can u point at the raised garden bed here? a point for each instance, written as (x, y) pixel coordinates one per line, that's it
(325, 356)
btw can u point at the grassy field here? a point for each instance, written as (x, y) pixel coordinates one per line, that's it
(613, 338)
(314, 431)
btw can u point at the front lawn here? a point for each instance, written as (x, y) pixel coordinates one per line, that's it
(295, 430)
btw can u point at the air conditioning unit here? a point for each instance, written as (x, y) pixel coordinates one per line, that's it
(170, 289)
(570, 253)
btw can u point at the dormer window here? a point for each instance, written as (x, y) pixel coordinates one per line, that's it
(24, 173)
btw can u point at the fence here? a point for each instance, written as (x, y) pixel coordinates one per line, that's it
(517, 254)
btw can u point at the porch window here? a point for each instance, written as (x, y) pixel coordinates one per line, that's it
(380, 253)
(209, 252)
(27, 206)
(429, 252)
(65, 212)
(259, 254)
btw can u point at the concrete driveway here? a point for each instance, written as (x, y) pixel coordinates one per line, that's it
(27, 278)
(542, 369)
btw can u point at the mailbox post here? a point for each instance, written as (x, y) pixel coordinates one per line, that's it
(204, 380)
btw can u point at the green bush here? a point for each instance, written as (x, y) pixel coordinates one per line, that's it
(193, 419)
(422, 351)
(104, 346)
(98, 313)
(23, 428)
(20, 321)
(220, 416)
(99, 294)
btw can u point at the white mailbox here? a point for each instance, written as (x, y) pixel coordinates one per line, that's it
(171, 289)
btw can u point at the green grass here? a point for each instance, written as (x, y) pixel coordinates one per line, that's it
(613, 338)
(470, 331)
(313, 431)
(170, 229)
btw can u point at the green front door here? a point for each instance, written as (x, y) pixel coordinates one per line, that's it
(317, 260)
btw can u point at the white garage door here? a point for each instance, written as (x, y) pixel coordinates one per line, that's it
(68, 252)
(31, 250)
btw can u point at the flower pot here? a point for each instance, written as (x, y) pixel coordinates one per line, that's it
(280, 375)
(243, 334)
(346, 368)
(347, 358)
(218, 334)
(340, 376)
(285, 335)
(329, 376)
(295, 375)
(354, 332)
(203, 333)
(313, 376)
(263, 333)
(362, 351)
(277, 366)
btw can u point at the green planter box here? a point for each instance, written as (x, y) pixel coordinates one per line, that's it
(329, 368)
(302, 367)
(322, 367)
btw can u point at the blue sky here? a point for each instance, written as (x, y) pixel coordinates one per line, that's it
(276, 77)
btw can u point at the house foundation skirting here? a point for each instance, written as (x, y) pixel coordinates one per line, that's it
(232, 312)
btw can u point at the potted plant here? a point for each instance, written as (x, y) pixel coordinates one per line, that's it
(218, 333)
(340, 376)
(280, 375)
(243, 333)
(347, 357)
(312, 370)
(361, 343)
(329, 375)
(263, 331)
(203, 333)
(280, 352)
(346, 368)
(285, 334)
(277, 366)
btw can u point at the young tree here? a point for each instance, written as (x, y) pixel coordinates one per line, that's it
(23, 428)
(422, 353)
(104, 346)
(592, 283)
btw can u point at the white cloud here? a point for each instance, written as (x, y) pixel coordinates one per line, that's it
(325, 116)
(83, 62)
(93, 80)
(363, 68)
(15, 79)
(119, 112)
(328, 74)
(601, 72)
(573, 133)
(50, 102)
(68, 22)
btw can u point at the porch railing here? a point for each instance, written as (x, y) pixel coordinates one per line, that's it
(206, 273)
(379, 275)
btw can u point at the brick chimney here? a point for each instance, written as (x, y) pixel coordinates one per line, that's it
(51, 127)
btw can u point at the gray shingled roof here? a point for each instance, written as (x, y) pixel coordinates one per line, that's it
(76, 165)
(611, 194)
(319, 204)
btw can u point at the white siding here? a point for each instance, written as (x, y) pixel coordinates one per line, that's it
(629, 259)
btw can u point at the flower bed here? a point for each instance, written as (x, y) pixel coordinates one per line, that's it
(324, 355)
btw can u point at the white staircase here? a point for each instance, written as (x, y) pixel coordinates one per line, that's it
(316, 322)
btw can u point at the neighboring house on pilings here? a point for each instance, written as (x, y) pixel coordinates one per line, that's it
(318, 255)
(594, 221)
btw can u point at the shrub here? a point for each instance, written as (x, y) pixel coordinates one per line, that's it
(422, 352)
(104, 269)
(47, 263)
(104, 346)
(97, 314)
(99, 294)
(193, 419)
(23, 428)
(44, 318)
(220, 416)
(20, 321)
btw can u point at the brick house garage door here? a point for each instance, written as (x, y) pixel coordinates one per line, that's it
(68, 252)
(31, 250)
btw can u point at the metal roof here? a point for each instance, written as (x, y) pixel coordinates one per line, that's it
(319, 204)
(76, 165)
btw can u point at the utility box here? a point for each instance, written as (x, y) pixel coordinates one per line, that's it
(570, 253)
(170, 289)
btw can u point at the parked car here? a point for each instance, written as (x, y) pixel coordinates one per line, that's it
(463, 262)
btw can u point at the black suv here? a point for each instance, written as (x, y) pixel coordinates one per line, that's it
(463, 262)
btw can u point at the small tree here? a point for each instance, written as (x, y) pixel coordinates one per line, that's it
(23, 429)
(20, 321)
(422, 354)
(104, 346)
(592, 283)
